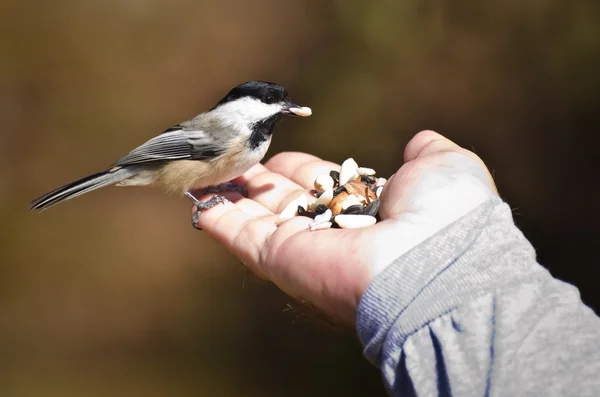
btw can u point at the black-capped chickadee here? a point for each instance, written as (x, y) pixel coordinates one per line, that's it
(207, 151)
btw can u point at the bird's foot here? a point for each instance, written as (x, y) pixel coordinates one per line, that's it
(226, 187)
(203, 205)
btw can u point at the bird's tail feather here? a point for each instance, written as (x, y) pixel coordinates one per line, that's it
(81, 186)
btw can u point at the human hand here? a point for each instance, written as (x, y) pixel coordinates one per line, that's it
(438, 183)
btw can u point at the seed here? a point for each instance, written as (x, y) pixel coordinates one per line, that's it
(324, 198)
(319, 209)
(365, 171)
(368, 179)
(348, 171)
(324, 217)
(336, 204)
(350, 201)
(302, 112)
(378, 190)
(291, 210)
(354, 221)
(381, 181)
(360, 190)
(323, 183)
(356, 209)
(303, 212)
(372, 208)
(321, 226)
(335, 176)
(338, 190)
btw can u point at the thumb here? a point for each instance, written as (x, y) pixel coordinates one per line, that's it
(426, 143)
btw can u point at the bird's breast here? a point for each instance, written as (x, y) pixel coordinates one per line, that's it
(186, 175)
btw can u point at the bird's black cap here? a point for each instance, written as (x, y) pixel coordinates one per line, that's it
(261, 90)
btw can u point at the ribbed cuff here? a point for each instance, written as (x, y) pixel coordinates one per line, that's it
(481, 250)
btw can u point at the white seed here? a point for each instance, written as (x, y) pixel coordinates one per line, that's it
(302, 112)
(291, 210)
(355, 221)
(365, 171)
(350, 201)
(325, 198)
(378, 190)
(323, 183)
(324, 217)
(322, 225)
(348, 171)
(381, 182)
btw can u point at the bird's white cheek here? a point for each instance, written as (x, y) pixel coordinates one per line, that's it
(248, 110)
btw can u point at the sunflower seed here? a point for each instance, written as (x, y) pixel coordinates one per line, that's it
(291, 210)
(324, 198)
(323, 183)
(381, 181)
(335, 176)
(321, 208)
(321, 226)
(350, 201)
(303, 212)
(354, 221)
(378, 190)
(348, 171)
(338, 190)
(365, 171)
(324, 217)
(357, 209)
(372, 208)
(368, 179)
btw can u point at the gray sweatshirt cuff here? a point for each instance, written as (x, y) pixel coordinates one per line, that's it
(481, 251)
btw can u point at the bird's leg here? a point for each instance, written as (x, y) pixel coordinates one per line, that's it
(226, 187)
(200, 206)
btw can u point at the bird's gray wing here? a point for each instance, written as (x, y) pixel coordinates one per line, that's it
(176, 143)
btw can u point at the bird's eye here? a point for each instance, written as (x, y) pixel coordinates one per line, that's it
(270, 99)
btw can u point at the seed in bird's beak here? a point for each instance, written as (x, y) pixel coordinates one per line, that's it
(301, 111)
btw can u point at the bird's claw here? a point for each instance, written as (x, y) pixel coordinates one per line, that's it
(200, 206)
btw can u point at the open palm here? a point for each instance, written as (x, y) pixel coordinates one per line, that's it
(438, 183)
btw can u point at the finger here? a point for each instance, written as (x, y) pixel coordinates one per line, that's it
(315, 264)
(301, 168)
(273, 191)
(426, 143)
(251, 173)
(267, 188)
(240, 232)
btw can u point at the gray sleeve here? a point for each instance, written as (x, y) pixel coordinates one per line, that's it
(470, 312)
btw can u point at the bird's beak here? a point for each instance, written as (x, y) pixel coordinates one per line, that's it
(291, 109)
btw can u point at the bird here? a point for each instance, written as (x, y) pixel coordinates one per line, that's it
(204, 152)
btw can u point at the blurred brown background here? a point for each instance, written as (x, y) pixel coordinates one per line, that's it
(115, 294)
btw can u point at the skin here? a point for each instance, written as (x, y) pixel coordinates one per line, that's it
(438, 183)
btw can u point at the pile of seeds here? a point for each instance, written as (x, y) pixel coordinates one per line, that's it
(348, 199)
